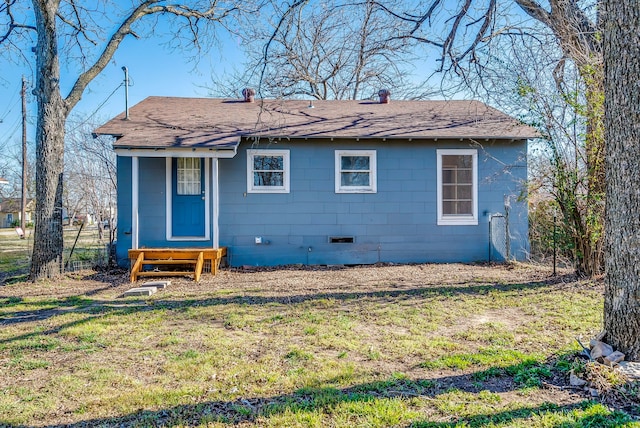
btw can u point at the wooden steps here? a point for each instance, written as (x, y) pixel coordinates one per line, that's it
(170, 262)
(165, 273)
(187, 257)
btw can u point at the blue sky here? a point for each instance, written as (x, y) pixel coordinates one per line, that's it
(153, 70)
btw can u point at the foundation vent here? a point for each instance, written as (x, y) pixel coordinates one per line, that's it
(341, 239)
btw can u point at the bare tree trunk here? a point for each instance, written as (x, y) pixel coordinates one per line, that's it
(622, 131)
(81, 26)
(52, 113)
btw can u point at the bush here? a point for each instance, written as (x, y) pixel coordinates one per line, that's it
(541, 232)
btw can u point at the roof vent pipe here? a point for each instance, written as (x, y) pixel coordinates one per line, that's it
(249, 95)
(385, 96)
(126, 93)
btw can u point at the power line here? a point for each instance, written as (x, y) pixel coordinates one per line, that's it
(9, 106)
(16, 125)
(86, 120)
(9, 134)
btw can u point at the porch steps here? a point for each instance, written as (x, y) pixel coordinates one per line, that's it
(140, 291)
(159, 257)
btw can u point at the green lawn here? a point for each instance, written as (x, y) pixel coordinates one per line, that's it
(391, 346)
(15, 253)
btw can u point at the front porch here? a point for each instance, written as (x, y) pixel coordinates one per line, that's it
(175, 261)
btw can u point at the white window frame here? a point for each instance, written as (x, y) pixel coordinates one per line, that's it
(373, 181)
(251, 188)
(466, 219)
(189, 183)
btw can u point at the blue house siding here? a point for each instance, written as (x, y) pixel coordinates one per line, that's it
(396, 218)
(152, 208)
(396, 224)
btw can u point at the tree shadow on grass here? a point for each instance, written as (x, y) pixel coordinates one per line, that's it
(97, 308)
(85, 304)
(318, 398)
(327, 401)
(586, 414)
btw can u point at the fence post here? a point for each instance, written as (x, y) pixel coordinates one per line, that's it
(74, 246)
(507, 207)
(554, 242)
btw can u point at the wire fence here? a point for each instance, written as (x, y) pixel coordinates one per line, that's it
(84, 249)
(89, 259)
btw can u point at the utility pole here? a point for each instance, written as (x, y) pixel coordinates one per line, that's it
(23, 204)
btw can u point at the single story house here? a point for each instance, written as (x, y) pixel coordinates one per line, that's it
(10, 211)
(322, 182)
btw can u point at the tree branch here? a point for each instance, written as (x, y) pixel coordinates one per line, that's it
(535, 10)
(448, 42)
(12, 25)
(576, 33)
(147, 7)
(274, 34)
(77, 27)
(487, 19)
(112, 45)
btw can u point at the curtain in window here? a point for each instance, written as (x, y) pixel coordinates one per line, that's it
(189, 182)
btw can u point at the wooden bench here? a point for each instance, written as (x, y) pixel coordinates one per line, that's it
(192, 258)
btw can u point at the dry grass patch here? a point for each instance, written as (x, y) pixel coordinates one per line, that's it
(365, 346)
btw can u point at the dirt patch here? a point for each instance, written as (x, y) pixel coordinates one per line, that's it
(304, 280)
(261, 312)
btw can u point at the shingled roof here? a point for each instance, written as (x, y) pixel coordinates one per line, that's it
(170, 122)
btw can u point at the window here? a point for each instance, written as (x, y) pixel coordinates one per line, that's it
(457, 187)
(268, 171)
(356, 171)
(189, 182)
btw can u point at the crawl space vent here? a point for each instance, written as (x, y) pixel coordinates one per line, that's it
(341, 239)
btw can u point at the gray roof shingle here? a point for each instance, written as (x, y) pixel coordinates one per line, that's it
(170, 122)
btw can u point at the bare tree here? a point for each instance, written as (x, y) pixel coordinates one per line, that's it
(521, 76)
(90, 171)
(11, 169)
(331, 50)
(71, 32)
(5, 169)
(467, 34)
(622, 128)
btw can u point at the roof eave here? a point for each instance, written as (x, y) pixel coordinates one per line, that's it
(222, 151)
(393, 137)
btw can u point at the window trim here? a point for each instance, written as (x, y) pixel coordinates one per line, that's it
(452, 219)
(373, 181)
(189, 183)
(285, 188)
